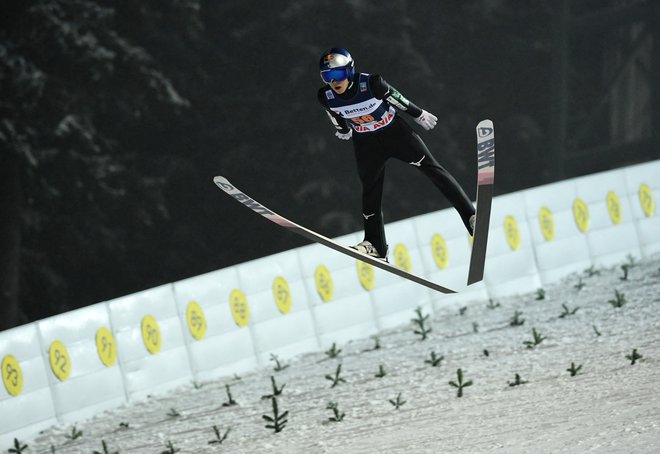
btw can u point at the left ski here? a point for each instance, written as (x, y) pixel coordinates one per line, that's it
(255, 206)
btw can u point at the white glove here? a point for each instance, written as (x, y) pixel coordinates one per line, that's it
(427, 120)
(344, 136)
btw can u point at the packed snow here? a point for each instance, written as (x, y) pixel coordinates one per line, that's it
(609, 406)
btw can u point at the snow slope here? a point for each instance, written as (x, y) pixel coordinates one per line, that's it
(610, 406)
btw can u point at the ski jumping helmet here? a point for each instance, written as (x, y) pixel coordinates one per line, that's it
(336, 64)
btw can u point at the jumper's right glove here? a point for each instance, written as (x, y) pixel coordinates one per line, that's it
(344, 135)
(427, 120)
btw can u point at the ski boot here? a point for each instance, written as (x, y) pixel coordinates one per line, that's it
(367, 248)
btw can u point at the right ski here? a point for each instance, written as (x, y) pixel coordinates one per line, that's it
(485, 183)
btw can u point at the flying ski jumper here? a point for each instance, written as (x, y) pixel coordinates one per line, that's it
(370, 106)
(365, 108)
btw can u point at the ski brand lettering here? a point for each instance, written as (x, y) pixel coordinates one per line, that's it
(486, 154)
(485, 132)
(251, 203)
(225, 186)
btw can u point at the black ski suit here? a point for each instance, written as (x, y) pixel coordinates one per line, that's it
(368, 106)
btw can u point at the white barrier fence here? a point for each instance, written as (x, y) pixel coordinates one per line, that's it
(69, 367)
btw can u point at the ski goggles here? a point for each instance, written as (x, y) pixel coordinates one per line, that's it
(337, 74)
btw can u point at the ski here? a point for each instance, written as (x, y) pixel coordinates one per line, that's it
(485, 180)
(258, 208)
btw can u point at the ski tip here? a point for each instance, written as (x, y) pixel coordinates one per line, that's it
(485, 130)
(223, 183)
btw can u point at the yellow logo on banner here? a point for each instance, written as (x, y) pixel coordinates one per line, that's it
(60, 361)
(324, 285)
(402, 258)
(239, 308)
(105, 347)
(151, 335)
(440, 251)
(614, 207)
(646, 200)
(12, 375)
(547, 223)
(282, 295)
(512, 232)
(366, 274)
(581, 215)
(196, 320)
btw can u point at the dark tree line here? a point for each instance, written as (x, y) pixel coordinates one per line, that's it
(81, 102)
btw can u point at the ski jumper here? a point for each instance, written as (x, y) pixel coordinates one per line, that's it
(370, 107)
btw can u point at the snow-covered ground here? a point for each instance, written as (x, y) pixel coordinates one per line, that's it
(610, 406)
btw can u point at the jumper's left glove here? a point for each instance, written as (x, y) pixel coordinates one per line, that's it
(344, 136)
(427, 120)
